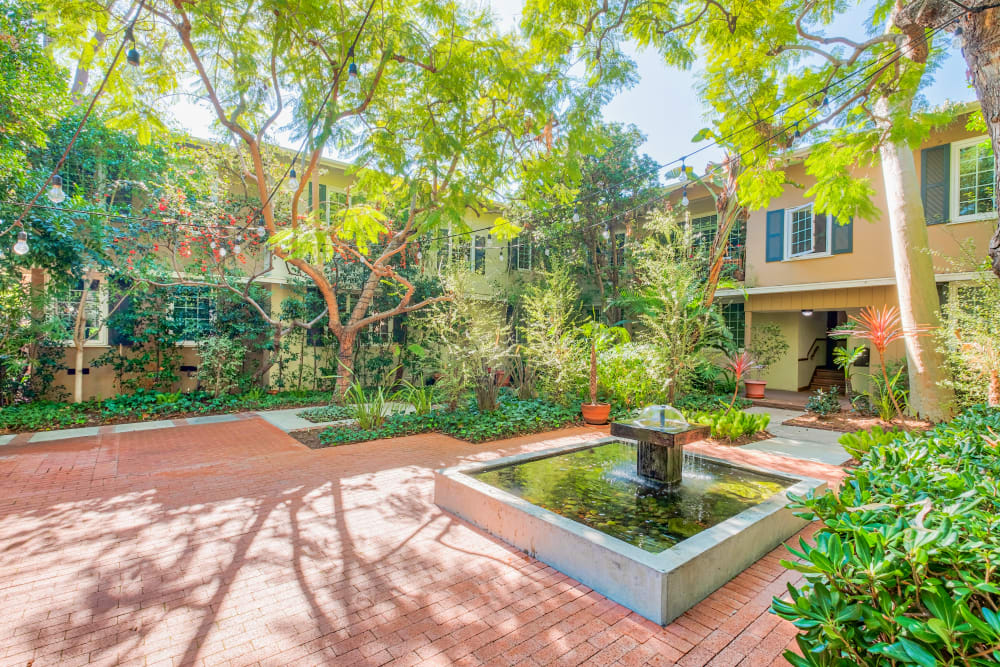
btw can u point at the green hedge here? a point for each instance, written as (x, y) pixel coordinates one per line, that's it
(906, 568)
(513, 417)
(144, 405)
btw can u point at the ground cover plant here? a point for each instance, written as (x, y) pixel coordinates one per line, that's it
(327, 413)
(144, 405)
(728, 424)
(824, 402)
(904, 569)
(512, 417)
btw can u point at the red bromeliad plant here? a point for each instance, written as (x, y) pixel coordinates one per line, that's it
(739, 365)
(881, 328)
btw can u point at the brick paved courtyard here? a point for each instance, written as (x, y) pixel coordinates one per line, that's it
(232, 543)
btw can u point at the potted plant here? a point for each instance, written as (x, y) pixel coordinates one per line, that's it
(598, 336)
(767, 345)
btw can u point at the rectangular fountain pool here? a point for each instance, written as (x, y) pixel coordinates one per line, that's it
(655, 549)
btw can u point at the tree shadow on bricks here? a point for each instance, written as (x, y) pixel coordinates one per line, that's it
(279, 557)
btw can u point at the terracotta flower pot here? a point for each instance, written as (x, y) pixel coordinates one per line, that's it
(596, 413)
(755, 388)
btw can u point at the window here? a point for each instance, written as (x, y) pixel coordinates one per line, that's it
(733, 316)
(479, 259)
(972, 184)
(193, 314)
(65, 308)
(520, 255)
(805, 233)
(461, 250)
(379, 333)
(704, 229)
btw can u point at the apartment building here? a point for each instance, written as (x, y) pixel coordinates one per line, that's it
(807, 274)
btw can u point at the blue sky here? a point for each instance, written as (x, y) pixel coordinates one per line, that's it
(664, 104)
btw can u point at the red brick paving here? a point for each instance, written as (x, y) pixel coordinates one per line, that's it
(233, 544)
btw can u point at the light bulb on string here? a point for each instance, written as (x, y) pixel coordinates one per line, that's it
(684, 197)
(548, 251)
(21, 246)
(55, 193)
(236, 247)
(606, 233)
(798, 132)
(261, 231)
(576, 217)
(958, 41)
(222, 253)
(132, 57)
(684, 173)
(826, 100)
(293, 181)
(213, 245)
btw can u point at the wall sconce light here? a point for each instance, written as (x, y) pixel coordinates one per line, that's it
(807, 312)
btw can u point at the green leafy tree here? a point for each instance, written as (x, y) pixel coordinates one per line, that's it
(776, 74)
(437, 107)
(616, 182)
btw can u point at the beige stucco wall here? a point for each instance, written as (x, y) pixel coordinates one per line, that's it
(872, 254)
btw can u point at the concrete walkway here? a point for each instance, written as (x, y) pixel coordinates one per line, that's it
(808, 444)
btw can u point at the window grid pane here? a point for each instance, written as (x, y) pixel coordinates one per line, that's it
(802, 231)
(975, 180)
(732, 315)
(65, 310)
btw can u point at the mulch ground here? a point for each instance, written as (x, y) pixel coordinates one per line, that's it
(848, 423)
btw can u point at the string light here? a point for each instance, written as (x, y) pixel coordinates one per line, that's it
(293, 181)
(222, 252)
(606, 233)
(798, 132)
(684, 174)
(261, 231)
(132, 57)
(21, 247)
(684, 197)
(576, 217)
(958, 41)
(236, 247)
(55, 193)
(826, 99)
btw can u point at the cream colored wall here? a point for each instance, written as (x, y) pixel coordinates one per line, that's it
(100, 383)
(872, 254)
(785, 309)
(809, 329)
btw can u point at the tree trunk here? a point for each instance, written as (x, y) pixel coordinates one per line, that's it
(82, 76)
(78, 377)
(981, 35)
(915, 286)
(345, 362)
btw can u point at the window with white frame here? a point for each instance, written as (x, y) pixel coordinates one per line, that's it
(461, 251)
(972, 174)
(520, 254)
(193, 314)
(806, 233)
(66, 305)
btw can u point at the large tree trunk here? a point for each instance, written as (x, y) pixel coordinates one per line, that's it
(345, 362)
(915, 285)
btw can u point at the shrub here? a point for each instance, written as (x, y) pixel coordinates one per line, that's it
(707, 403)
(511, 418)
(824, 403)
(860, 443)
(221, 364)
(767, 345)
(904, 568)
(370, 408)
(730, 424)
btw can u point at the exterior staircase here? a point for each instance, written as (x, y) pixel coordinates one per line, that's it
(825, 378)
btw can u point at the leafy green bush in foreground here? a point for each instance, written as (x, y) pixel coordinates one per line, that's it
(512, 417)
(905, 568)
(708, 402)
